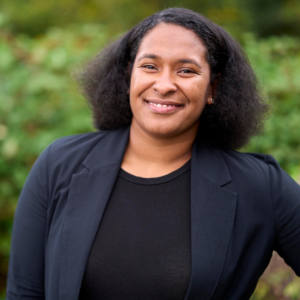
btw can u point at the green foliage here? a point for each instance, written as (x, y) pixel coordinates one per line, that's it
(276, 61)
(272, 17)
(39, 102)
(265, 18)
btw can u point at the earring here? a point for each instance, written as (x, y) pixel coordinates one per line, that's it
(211, 100)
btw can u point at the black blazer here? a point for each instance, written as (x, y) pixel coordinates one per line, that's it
(243, 206)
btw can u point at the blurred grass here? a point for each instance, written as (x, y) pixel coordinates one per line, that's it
(40, 102)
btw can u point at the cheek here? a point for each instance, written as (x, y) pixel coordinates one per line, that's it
(199, 96)
(198, 99)
(203, 91)
(137, 80)
(136, 88)
(138, 84)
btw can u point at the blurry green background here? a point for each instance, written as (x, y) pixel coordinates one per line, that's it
(43, 42)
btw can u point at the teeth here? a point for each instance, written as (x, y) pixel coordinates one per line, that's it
(159, 105)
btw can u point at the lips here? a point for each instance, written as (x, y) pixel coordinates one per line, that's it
(159, 106)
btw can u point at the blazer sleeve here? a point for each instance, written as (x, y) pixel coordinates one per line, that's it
(286, 203)
(26, 265)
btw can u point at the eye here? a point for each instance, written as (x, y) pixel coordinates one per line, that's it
(187, 71)
(149, 67)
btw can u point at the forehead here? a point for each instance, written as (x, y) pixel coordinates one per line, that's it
(172, 39)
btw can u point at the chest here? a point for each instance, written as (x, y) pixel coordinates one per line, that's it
(229, 238)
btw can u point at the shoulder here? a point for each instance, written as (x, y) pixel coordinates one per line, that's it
(254, 170)
(85, 140)
(65, 156)
(258, 171)
(75, 147)
(249, 163)
(256, 158)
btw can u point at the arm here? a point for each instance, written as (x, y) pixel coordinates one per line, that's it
(26, 266)
(286, 204)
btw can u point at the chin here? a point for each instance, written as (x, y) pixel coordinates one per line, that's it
(163, 130)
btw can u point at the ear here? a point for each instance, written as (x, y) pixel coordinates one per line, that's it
(209, 100)
(212, 90)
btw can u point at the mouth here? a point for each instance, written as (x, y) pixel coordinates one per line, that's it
(163, 107)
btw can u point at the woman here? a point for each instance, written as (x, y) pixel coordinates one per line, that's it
(157, 205)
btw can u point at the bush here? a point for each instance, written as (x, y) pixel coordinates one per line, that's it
(39, 102)
(276, 62)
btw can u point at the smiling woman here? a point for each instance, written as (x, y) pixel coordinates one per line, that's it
(162, 75)
(158, 205)
(169, 88)
(239, 108)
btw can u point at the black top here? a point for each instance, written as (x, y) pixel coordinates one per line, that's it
(142, 247)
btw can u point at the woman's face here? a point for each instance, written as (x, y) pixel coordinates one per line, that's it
(170, 81)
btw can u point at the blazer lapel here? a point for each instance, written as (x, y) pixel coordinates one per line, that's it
(212, 214)
(212, 217)
(88, 195)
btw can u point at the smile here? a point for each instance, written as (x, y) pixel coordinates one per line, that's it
(163, 107)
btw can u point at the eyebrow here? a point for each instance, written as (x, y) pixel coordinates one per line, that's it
(153, 56)
(190, 61)
(183, 61)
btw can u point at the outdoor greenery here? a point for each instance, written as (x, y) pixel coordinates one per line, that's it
(264, 18)
(40, 101)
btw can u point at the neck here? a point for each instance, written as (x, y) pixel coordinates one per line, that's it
(149, 155)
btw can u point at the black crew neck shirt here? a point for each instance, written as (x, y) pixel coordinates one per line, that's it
(142, 250)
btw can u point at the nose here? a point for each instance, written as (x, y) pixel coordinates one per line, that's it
(164, 84)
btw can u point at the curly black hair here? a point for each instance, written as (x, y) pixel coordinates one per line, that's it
(239, 107)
